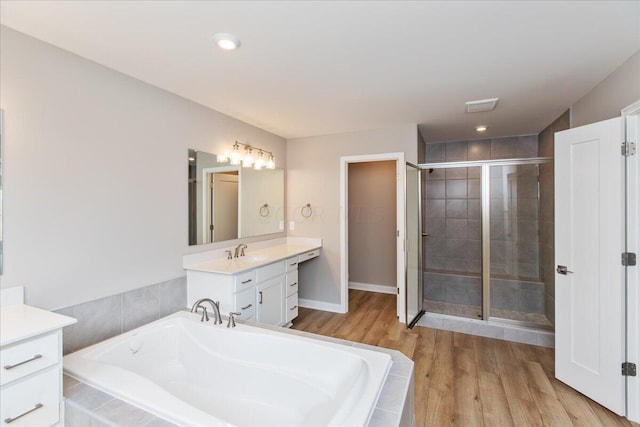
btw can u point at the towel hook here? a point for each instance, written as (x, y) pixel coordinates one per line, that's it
(264, 210)
(306, 211)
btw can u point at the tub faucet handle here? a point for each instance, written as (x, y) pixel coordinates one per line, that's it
(232, 321)
(229, 256)
(205, 316)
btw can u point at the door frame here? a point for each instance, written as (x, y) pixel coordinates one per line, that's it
(204, 193)
(400, 224)
(631, 132)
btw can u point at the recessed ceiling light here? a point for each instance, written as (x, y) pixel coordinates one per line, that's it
(226, 41)
(481, 128)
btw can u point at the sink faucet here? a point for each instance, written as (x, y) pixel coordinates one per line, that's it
(240, 250)
(216, 310)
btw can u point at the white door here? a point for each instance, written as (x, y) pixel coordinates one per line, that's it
(589, 227)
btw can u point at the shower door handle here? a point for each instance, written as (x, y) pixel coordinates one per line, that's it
(562, 269)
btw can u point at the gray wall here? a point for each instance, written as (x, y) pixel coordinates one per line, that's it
(372, 223)
(313, 176)
(620, 89)
(547, 234)
(95, 174)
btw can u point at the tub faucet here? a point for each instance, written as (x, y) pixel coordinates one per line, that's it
(240, 250)
(205, 317)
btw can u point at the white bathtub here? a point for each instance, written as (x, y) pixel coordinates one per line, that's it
(193, 373)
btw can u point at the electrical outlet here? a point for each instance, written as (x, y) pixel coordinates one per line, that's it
(292, 225)
(281, 225)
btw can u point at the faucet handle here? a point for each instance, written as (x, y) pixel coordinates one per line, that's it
(232, 321)
(205, 316)
(242, 250)
(229, 256)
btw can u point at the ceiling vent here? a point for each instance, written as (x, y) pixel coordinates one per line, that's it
(481, 105)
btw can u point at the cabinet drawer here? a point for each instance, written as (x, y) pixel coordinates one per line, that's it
(292, 282)
(291, 308)
(245, 303)
(269, 271)
(27, 357)
(308, 255)
(292, 263)
(244, 280)
(38, 394)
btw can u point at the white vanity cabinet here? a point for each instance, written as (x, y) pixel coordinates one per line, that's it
(266, 293)
(31, 366)
(291, 291)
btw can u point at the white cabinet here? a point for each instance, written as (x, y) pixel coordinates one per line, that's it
(31, 366)
(265, 294)
(291, 291)
(270, 303)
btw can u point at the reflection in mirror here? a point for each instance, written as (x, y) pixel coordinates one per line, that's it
(1, 147)
(229, 202)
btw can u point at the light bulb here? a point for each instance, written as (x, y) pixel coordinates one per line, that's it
(248, 159)
(259, 164)
(271, 163)
(234, 158)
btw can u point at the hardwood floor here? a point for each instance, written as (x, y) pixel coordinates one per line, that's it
(464, 380)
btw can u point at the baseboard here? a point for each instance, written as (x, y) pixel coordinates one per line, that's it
(320, 305)
(373, 288)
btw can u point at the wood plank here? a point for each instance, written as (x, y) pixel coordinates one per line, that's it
(462, 379)
(495, 410)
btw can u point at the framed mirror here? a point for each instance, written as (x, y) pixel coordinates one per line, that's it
(228, 202)
(1, 148)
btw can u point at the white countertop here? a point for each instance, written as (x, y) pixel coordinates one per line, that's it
(19, 321)
(254, 258)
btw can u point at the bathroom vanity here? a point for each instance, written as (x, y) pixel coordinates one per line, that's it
(262, 285)
(31, 360)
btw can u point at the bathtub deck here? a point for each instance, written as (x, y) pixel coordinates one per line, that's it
(465, 380)
(86, 405)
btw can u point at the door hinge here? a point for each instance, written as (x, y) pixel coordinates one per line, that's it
(628, 149)
(629, 369)
(398, 291)
(628, 259)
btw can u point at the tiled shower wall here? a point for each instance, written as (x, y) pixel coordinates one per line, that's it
(110, 316)
(451, 215)
(547, 253)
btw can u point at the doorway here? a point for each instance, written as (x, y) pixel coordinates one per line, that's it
(372, 226)
(397, 160)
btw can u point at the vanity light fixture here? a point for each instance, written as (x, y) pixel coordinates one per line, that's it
(481, 128)
(247, 161)
(226, 41)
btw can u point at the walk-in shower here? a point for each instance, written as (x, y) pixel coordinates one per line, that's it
(485, 239)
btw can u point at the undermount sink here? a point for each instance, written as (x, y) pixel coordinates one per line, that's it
(255, 258)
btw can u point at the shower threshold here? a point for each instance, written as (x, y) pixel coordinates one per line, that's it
(475, 312)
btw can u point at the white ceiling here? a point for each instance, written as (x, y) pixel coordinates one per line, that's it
(309, 68)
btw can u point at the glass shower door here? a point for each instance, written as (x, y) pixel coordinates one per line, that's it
(453, 241)
(516, 286)
(413, 246)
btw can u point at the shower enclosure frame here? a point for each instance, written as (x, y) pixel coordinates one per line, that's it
(486, 224)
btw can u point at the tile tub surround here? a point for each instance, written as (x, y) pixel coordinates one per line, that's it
(86, 405)
(110, 316)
